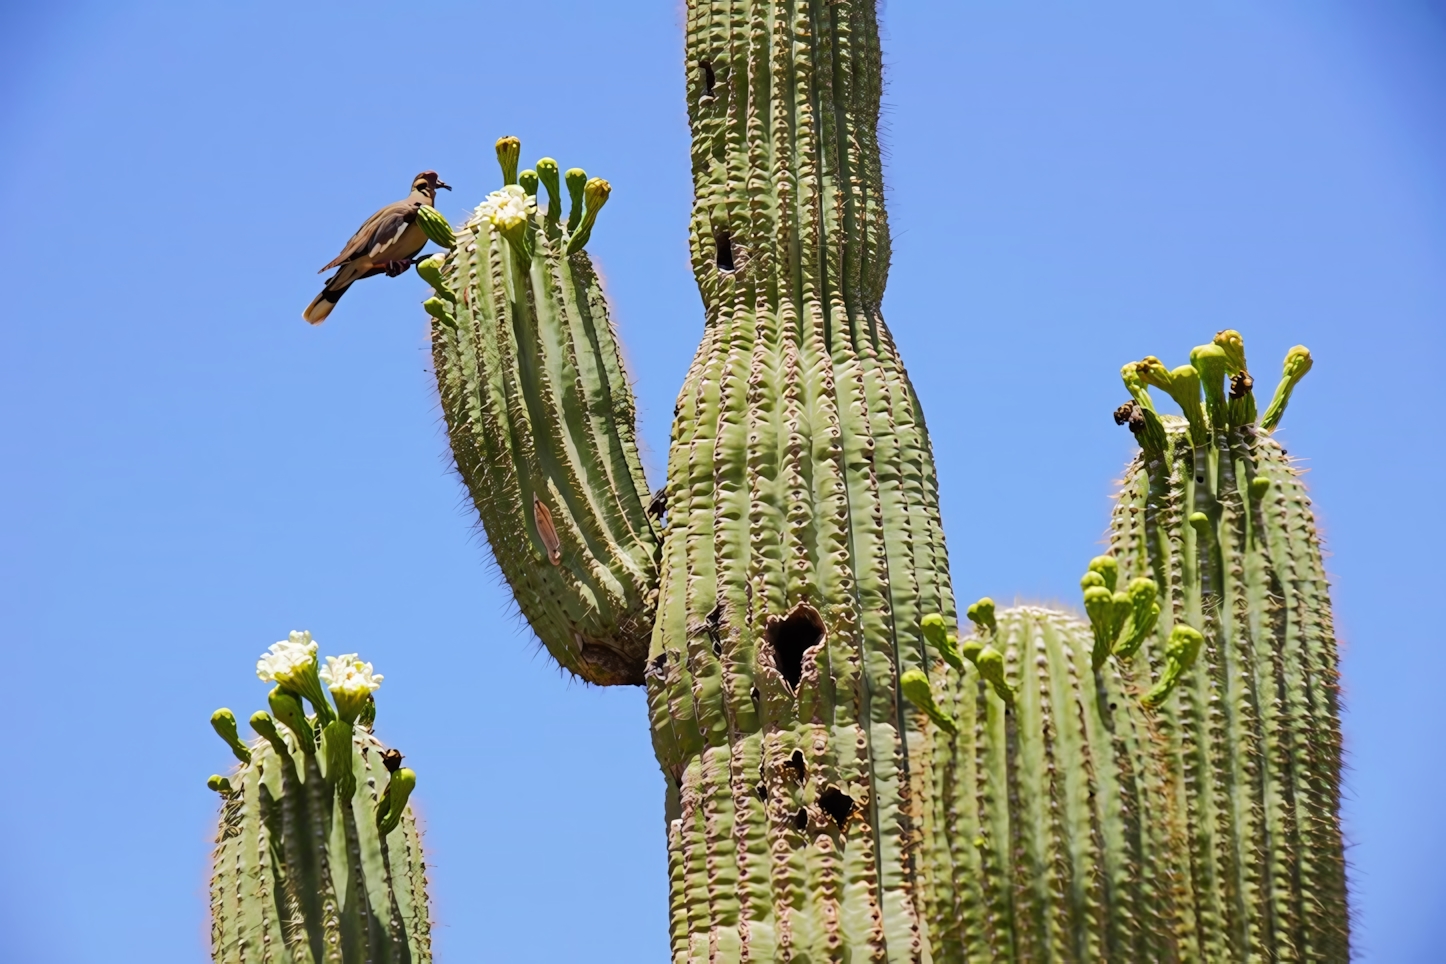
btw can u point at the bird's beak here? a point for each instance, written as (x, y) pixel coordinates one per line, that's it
(444, 185)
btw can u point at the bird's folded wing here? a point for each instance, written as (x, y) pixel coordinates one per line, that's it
(380, 231)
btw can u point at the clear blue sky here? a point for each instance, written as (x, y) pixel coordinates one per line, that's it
(187, 470)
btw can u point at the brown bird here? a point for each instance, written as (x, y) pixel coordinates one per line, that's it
(385, 244)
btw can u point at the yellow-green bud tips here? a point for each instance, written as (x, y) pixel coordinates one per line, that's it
(595, 194)
(981, 614)
(223, 721)
(1180, 653)
(351, 682)
(291, 665)
(1108, 569)
(1297, 363)
(548, 175)
(1152, 371)
(394, 800)
(265, 727)
(430, 271)
(1233, 345)
(287, 708)
(991, 666)
(218, 783)
(1091, 579)
(1258, 487)
(509, 149)
(1135, 383)
(1144, 614)
(440, 310)
(915, 687)
(527, 180)
(576, 178)
(1211, 363)
(1200, 522)
(336, 751)
(1099, 604)
(1185, 390)
(434, 225)
(943, 641)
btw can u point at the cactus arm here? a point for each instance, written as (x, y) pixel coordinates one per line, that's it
(541, 421)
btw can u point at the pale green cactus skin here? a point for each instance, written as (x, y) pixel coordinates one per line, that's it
(301, 875)
(814, 811)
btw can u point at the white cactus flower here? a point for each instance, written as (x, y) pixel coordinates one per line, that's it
(348, 675)
(288, 659)
(507, 209)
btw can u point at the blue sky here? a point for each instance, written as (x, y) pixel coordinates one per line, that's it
(189, 470)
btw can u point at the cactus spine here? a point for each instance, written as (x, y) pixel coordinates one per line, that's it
(318, 859)
(846, 778)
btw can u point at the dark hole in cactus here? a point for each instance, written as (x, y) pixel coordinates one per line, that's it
(392, 760)
(717, 648)
(754, 695)
(708, 79)
(838, 805)
(762, 791)
(800, 819)
(725, 250)
(1112, 706)
(790, 638)
(796, 764)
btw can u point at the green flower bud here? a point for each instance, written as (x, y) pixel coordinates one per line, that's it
(1120, 607)
(219, 784)
(223, 721)
(1258, 487)
(287, 708)
(1185, 390)
(576, 179)
(1297, 363)
(981, 614)
(1233, 345)
(595, 195)
(970, 649)
(336, 751)
(1144, 613)
(1090, 579)
(1108, 569)
(528, 181)
(435, 226)
(1135, 383)
(547, 173)
(1180, 653)
(430, 271)
(441, 311)
(1200, 522)
(1210, 363)
(944, 642)
(915, 687)
(394, 800)
(265, 727)
(991, 666)
(509, 149)
(1099, 604)
(1152, 371)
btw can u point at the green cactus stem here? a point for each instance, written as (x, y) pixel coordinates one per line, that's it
(318, 860)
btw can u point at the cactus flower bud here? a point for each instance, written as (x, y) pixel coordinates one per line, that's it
(435, 226)
(1108, 569)
(265, 727)
(991, 666)
(394, 800)
(547, 173)
(576, 179)
(1297, 363)
(915, 686)
(1099, 604)
(943, 641)
(595, 194)
(219, 784)
(509, 149)
(1185, 390)
(1089, 579)
(981, 614)
(527, 180)
(440, 310)
(336, 751)
(1200, 522)
(1153, 372)
(1143, 594)
(1180, 653)
(1135, 383)
(223, 721)
(287, 708)
(1258, 487)
(1211, 363)
(1233, 345)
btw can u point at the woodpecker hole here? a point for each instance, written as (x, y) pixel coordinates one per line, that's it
(800, 819)
(706, 69)
(796, 764)
(789, 638)
(838, 805)
(392, 759)
(762, 791)
(725, 250)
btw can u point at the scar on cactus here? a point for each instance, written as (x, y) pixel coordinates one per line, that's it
(318, 856)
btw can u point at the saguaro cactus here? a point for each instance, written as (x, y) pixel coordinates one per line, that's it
(846, 778)
(318, 859)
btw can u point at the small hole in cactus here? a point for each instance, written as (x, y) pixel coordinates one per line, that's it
(762, 791)
(838, 805)
(796, 764)
(717, 648)
(800, 819)
(790, 638)
(755, 696)
(1112, 706)
(725, 250)
(708, 79)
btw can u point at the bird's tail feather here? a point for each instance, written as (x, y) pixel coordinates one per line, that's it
(322, 304)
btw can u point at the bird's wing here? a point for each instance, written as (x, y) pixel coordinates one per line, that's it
(380, 231)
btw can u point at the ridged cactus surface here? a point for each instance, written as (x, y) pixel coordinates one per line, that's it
(847, 778)
(318, 859)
